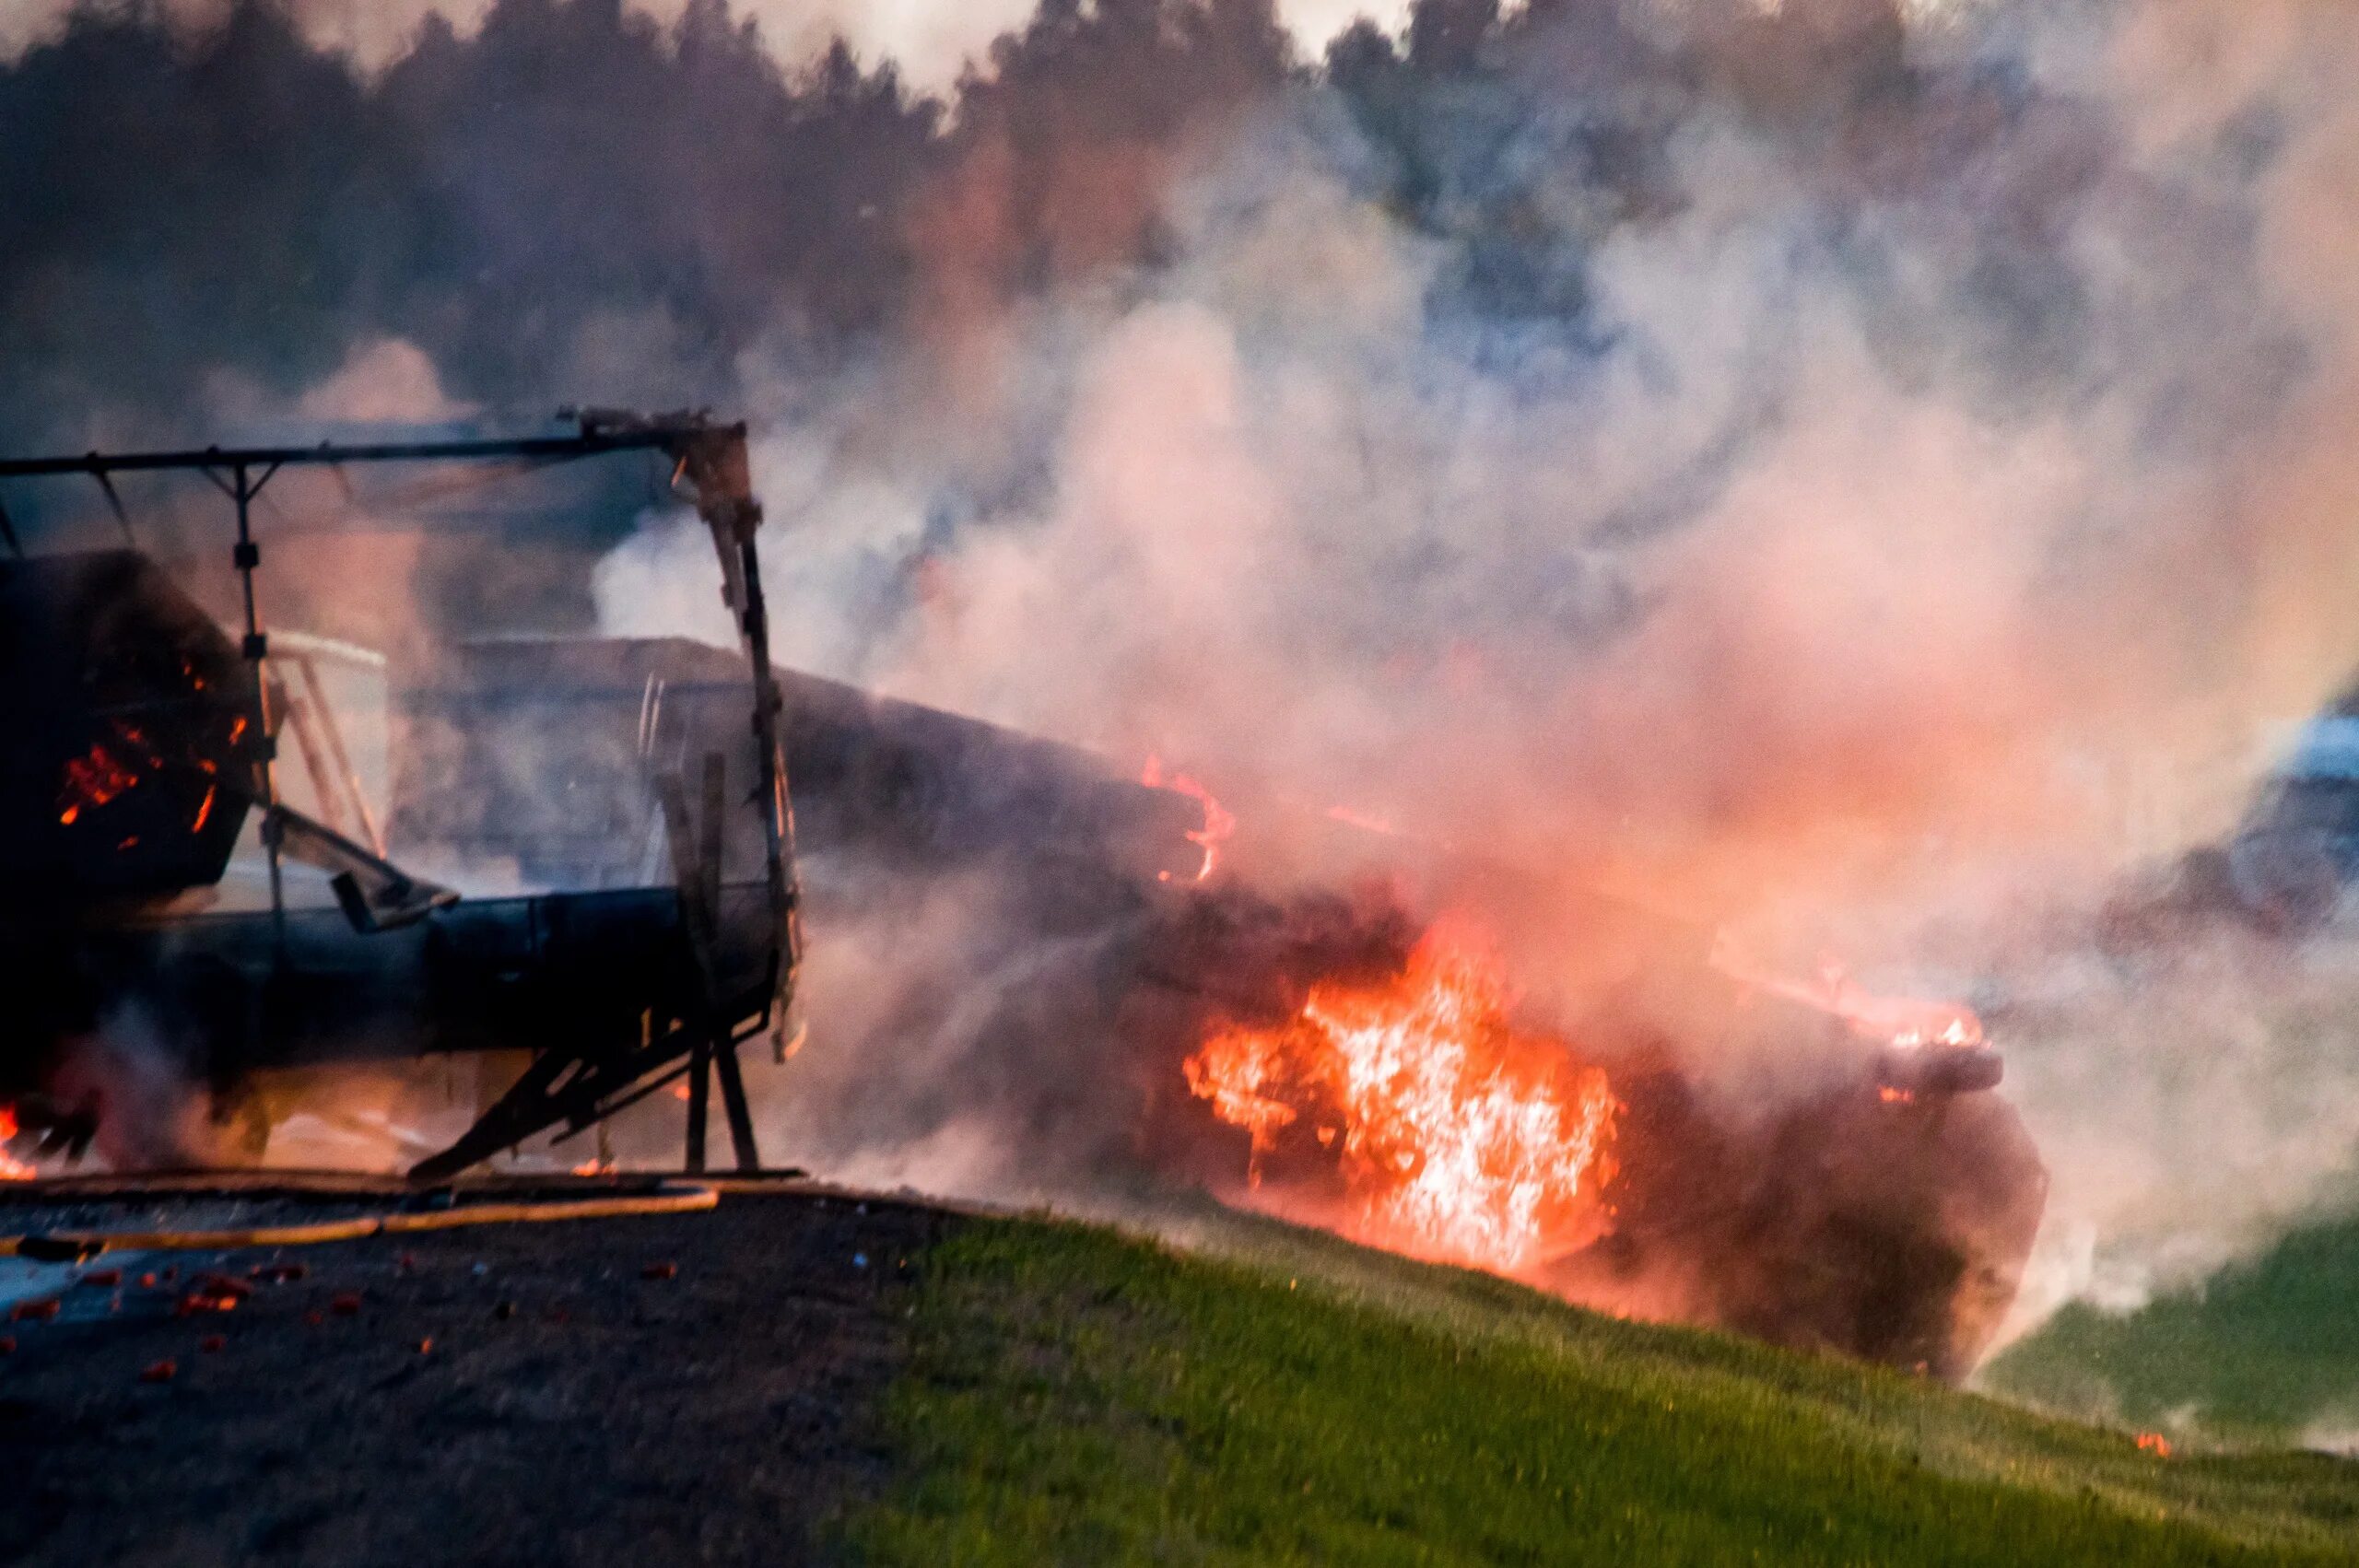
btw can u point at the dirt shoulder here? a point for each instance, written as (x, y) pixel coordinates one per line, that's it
(672, 1388)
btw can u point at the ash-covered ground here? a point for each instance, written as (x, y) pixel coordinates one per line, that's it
(687, 1388)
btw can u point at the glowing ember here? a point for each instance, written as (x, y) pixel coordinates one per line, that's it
(92, 780)
(1220, 825)
(1458, 1137)
(11, 1168)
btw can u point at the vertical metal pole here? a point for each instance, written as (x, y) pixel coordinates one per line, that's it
(257, 650)
(770, 704)
(777, 798)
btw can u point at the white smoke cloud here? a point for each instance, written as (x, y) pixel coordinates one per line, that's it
(1830, 583)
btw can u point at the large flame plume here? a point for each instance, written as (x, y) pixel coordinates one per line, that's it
(1459, 1136)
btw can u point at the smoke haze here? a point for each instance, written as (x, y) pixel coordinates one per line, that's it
(1857, 474)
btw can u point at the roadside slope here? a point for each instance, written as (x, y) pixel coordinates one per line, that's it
(809, 1375)
(2265, 1350)
(1078, 1396)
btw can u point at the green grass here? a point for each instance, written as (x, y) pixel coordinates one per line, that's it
(1078, 1396)
(2265, 1351)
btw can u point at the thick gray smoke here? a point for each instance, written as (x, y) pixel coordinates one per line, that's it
(1841, 470)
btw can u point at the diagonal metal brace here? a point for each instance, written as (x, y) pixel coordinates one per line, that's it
(560, 1086)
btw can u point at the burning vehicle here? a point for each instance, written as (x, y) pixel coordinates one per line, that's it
(1672, 1137)
(1659, 1130)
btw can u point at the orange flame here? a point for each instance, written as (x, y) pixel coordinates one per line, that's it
(1220, 823)
(2155, 1443)
(11, 1168)
(1459, 1138)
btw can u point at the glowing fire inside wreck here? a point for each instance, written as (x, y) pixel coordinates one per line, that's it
(1457, 1138)
(11, 1168)
(1220, 823)
(93, 781)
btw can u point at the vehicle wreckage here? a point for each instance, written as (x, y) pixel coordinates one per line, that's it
(1882, 1201)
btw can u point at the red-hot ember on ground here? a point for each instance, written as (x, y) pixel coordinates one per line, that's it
(1458, 1137)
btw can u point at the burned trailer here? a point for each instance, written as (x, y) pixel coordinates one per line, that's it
(150, 739)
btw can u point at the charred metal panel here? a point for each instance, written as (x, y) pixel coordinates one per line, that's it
(231, 993)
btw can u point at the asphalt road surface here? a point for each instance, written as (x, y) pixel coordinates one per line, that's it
(685, 1388)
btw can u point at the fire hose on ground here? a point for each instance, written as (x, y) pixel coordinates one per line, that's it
(61, 1246)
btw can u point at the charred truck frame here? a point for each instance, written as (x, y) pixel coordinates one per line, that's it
(142, 739)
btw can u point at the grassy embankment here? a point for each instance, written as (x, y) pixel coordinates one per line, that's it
(1080, 1396)
(2266, 1351)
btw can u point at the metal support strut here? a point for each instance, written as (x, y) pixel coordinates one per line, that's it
(242, 488)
